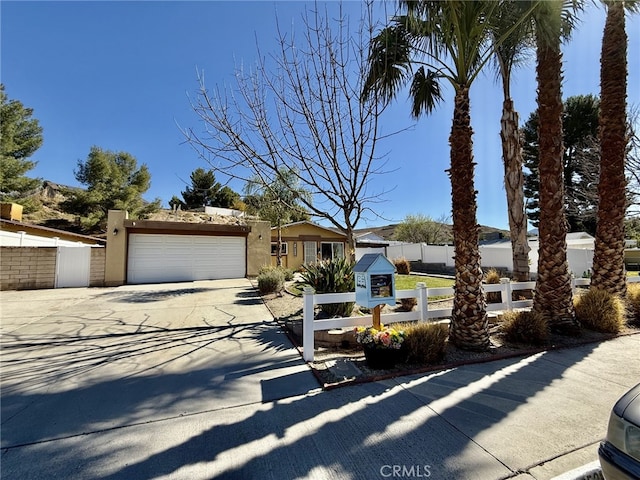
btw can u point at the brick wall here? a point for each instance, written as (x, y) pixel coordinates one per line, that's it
(25, 268)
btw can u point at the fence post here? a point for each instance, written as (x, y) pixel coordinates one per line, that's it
(506, 292)
(307, 324)
(422, 301)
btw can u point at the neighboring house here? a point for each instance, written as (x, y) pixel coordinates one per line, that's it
(41, 257)
(17, 234)
(370, 242)
(182, 247)
(306, 242)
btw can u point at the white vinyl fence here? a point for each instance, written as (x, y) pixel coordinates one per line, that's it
(491, 256)
(23, 239)
(422, 312)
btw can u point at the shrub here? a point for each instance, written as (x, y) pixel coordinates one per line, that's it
(407, 304)
(403, 267)
(270, 281)
(633, 302)
(331, 276)
(525, 327)
(493, 277)
(600, 310)
(425, 342)
(288, 273)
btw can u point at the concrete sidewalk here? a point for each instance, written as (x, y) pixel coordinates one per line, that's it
(123, 393)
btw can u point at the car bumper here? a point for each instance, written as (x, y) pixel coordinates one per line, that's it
(617, 465)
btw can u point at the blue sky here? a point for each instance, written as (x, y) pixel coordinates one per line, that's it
(117, 75)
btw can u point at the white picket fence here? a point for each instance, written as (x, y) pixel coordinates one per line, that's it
(421, 313)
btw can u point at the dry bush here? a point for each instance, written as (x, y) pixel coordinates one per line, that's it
(270, 281)
(525, 327)
(407, 304)
(403, 267)
(493, 277)
(633, 302)
(600, 310)
(425, 342)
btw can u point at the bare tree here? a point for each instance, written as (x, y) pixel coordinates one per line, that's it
(300, 110)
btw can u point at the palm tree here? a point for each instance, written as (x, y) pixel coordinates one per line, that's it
(450, 39)
(608, 257)
(278, 201)
(553, 294)
(511, 44)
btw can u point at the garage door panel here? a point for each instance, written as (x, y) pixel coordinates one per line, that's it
(169, 258)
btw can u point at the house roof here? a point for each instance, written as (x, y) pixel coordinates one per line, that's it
(15, 226)
(313, 224)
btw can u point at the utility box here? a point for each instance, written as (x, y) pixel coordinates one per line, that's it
(375, 280)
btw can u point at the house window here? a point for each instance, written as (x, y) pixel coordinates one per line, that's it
(332, 250)
(310, 254)
(283, 248)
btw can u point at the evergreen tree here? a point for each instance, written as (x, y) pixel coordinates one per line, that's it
(205, 191)
(20, 137)
(114, 182)
(580, 158)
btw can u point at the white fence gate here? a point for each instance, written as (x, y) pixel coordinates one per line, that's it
(73, 267)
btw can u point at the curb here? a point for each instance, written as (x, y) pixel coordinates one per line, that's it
(590, 471)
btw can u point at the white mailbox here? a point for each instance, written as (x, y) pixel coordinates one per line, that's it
(375, 280)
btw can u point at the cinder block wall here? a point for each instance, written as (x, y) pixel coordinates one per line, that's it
(98, 259)
(24, 268)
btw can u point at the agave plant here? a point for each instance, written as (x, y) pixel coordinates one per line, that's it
(331, 276)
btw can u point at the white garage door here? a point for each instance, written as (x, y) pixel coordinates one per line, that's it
(177, 258)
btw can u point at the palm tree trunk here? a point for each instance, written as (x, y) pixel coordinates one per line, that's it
(608, 258)
(553, 295)
(469, 328)
(514, 186)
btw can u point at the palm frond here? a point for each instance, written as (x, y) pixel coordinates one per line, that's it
(425, 92)
(389, 63)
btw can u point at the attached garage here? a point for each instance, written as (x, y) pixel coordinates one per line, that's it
(161, 252)
(178, 258)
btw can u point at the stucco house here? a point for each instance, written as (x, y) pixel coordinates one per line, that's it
(306, 242)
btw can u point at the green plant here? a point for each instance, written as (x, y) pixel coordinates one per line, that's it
(600, 310)
(425, 342)
(633, 303)
(386, 337)
(492, 277)
(270, 281)
(403, 267)
(331, 276)
(525, 327)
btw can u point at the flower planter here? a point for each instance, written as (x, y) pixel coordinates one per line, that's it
(381, 358)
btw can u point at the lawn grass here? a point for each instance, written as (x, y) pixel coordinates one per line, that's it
(408, 282)
(403, 282)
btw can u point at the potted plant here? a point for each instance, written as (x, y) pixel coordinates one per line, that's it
(381, 347)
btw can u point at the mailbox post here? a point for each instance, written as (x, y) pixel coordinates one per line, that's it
(375, 283)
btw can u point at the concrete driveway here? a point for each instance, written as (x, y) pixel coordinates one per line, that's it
(81, 360)
(195, 381)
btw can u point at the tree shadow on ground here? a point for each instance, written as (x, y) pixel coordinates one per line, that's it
(428, 420)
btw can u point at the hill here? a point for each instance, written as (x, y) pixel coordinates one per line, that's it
(486, 233)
